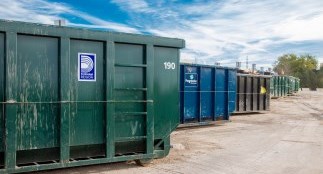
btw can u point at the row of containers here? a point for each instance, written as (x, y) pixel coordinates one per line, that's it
(74, 97)
(281, 86)
(210, 93)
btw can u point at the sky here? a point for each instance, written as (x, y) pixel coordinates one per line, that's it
(222, 31)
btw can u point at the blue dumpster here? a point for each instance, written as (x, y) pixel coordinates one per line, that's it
(207, 93)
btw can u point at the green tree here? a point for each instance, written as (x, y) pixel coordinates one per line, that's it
(320, 76)
(302, 66)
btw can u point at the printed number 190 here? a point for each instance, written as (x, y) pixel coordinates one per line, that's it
(170, 65)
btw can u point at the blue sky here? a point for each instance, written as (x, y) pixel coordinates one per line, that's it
(222, 31)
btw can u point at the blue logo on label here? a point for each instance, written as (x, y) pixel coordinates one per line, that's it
(191, 80)
(86, 67)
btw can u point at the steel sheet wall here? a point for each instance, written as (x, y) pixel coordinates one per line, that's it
(283, 86)
(207, 93)
(253, 93)
(72, 97)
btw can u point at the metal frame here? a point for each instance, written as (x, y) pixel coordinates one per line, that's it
(265, 101)
(65, 34)
(227, 93)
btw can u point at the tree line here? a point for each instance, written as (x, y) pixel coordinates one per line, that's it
(302, 66)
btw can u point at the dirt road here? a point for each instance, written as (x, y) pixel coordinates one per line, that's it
(287, 140)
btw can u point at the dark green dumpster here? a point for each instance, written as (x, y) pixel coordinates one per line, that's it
(297, 84)
(279, 87)
(294, 84)
(74, 97)
(282, 86)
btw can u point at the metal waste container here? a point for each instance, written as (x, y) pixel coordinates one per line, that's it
(253, 93)
(74, 97)
(207, 93)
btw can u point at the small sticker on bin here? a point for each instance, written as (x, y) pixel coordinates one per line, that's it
(191, 80)
(86, 67)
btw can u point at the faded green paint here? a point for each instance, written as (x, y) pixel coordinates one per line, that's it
(64, 96)
(286, 85)
(294, 84)
(297, 84)
(166, 91)
(291, 84)
(52, 117)
(150, 97)
(110, 111)
(11, 89)
(130, 92)
(37, 123)
(283, 85)
(87, 109)
(2, 82)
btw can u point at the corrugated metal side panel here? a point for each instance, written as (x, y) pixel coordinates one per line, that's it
(279, 86)
(166, 87)
(181, 93)
(207, 93)
(284, 85)
(241, 93)
(190, 94)
(249, 93)
(221, 91)
(261, 96)
(128, 94)
(272, 86)
(55, 120)
(255, 86)
(2, 83)
(292, 85)
(232, 86)
(38, 85)
(276, 86)
(267, 96)
(87, 119)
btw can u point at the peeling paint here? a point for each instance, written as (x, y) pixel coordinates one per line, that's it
(134, 127)
(35, 84)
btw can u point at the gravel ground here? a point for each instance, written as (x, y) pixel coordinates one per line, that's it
(287, 140)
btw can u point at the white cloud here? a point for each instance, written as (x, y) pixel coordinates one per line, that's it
(302, 29)
(32, 11)
(102, 24)
(134, 5)
(215, 31)
(232, 29)
(44, 12)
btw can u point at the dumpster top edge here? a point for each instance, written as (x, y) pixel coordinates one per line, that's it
(208, 66)
(285, 76)
(254, 75)
(44, 29)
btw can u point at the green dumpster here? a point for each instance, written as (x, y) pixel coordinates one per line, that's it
(297, 84)
(75, 97)
(283, 85)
